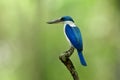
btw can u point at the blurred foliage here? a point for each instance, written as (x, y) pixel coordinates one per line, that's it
(29, 48)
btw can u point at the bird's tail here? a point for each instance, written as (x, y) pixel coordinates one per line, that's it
(81, 57)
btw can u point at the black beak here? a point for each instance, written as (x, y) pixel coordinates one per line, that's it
(54, 21)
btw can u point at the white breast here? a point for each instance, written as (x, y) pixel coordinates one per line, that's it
(72, 25)
(66, 35)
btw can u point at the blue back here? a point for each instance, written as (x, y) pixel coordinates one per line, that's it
(74, 35)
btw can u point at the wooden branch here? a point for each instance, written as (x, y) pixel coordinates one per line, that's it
(68, 63)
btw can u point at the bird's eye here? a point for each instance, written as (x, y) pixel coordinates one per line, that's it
(62, 19)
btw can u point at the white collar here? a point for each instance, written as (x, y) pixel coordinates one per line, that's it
(70, 23)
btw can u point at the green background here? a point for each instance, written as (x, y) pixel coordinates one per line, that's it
(29, 48)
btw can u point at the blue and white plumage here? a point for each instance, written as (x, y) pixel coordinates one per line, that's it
(73, 35)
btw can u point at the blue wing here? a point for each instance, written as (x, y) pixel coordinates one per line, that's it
(74, 35)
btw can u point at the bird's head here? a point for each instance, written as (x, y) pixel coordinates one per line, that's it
(62, 19)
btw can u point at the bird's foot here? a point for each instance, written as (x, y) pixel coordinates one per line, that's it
(69, 52)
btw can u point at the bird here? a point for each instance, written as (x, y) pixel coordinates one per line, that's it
(73, 35)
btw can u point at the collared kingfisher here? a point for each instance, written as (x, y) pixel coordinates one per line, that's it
(73, 35)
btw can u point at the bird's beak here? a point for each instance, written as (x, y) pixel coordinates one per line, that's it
(54, 21)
